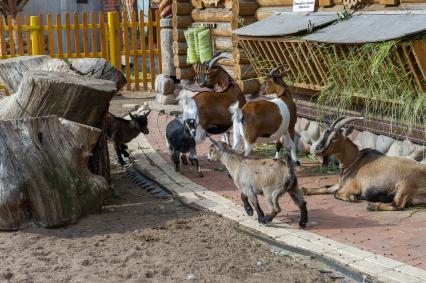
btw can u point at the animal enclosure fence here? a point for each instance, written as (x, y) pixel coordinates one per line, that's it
(129, 42)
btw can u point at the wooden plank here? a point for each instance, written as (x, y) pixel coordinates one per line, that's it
(19, 36)
(151, 48)
(248, 51)
(143, 49)
(313, 71)
(419, 51)
(325, 3)
(411, 63)
(126, 48)
(59, 35)
(2, 39)
(94, 31)
(104, 48)
(211, 15)
(135, 49)
(283, 59)
(85, 36)
(76, 36)
(157, 28)
(68, 35)
(273, 3)
(11, 36)
(312, 54)
(389, 2)
(289, 54)
(42, 42)
(118, 39)
(28, 35)
(50, 42)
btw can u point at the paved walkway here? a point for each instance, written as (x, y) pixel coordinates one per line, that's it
(396, 235)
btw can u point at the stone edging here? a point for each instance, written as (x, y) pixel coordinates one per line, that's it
(148, 161)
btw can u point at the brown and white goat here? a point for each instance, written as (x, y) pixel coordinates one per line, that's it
(273, 118)
(272, 178)
(388, 183)
(121, 131)
(209, 108)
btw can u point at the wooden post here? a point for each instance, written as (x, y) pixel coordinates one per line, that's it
(35, 36)
(111, 38)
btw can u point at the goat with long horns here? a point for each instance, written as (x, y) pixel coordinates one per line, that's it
(210, 108)
(388, 183)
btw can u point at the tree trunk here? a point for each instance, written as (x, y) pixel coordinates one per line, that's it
(44, 175)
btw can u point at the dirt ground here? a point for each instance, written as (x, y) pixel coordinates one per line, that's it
(140, 238)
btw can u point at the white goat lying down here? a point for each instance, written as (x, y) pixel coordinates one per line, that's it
(272, 178)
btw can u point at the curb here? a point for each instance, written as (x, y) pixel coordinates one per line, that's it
(147, 160)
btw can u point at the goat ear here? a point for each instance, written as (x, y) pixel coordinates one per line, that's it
(147, 113)
(347, 131)
(216, 144)
(133, 117)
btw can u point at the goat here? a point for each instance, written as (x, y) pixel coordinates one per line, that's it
(388, 183)
(209, 108)
(267, 118)
(257, 176)
(121, 131)
(180, 140)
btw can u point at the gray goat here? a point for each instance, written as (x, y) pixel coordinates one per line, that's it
(388, 183)
(272, 178)
(121, 131)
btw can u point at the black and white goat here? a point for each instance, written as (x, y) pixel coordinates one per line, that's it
(121, 131)
(180, 141)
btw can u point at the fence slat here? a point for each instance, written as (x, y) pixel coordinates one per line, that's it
(103, 39)
(59, 35)
(143, 48)
(94, 33)
(2, 39)
(28, 35)
(85, 36)
(50, 36)
(41, 43)
(68, 35)
(126, 48)
(76, 36)
(158, 29)
(19, 36)
(151, 49)
(11, 36)
(135, 50)
(118, 39)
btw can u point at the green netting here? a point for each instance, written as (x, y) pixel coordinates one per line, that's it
(205, 45)
(191, 53)
(199, 45)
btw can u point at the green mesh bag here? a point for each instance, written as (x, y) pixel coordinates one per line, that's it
(191, 53)
(204, 45)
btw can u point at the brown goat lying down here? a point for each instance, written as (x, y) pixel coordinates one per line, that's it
(272, 178)
(388, 183)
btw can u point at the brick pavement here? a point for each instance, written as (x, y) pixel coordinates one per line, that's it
(396, 235)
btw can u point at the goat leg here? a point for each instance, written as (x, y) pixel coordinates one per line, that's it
(193, 157)
(380, 206)
(253, 199)
(297, 197)
(246, 204)
(278, 146)
(184, 159)
(175, 159)
(123, 148)
(320, 191)
(118, 152)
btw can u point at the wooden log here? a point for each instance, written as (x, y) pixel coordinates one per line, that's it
(244, 7)
(220, 28)
(212, 15)
(181, 8)
(264, 12)
(240, 56)
(221, 4)
(250, 86)
(50, 184)
(197, 4)
(178, 35)
(179, 48)
(182, 21)
(222, 43)
(13, 69)
(325, 3)
(185, 73)
(244, 71)
(228, 61)
(274, 3)
(241, 21)
(168, 68)
(180, 61)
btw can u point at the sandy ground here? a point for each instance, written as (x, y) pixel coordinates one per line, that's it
(139, 238)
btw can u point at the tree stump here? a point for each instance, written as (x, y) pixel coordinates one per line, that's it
(44, 176)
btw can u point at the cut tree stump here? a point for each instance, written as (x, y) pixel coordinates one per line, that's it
(44, 176)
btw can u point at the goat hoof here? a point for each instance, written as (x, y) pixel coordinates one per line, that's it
(371, 206)
(297, 163)
(249, 211)
(304, 191)
(352, 198)
(126, 154)
(265, 219)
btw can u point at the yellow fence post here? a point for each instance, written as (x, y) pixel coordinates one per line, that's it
(35, 34)
(111, 38)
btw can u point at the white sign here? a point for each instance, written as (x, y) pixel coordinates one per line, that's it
(303, 5)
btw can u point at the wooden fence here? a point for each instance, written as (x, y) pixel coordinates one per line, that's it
(113, 36)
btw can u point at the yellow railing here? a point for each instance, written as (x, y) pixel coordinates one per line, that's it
(114, 37)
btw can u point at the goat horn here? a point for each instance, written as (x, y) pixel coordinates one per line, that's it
(275, 70)
(213, 61)
(215, 143)
(337, 121)
(343, 122)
